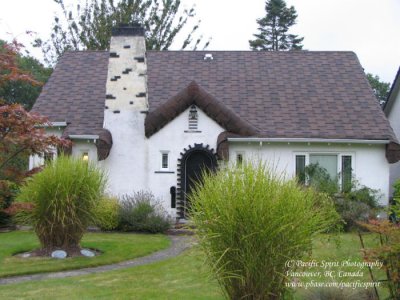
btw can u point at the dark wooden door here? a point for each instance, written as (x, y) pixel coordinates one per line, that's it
(196, 163)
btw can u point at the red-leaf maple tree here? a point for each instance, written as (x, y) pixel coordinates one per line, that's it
(21, 132)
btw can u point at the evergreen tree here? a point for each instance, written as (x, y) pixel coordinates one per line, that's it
(273, 28)
(89, 27)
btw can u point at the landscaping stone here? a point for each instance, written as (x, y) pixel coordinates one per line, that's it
(25, 255)
(87, 253)
(60, 254)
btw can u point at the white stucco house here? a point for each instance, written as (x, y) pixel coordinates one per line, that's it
(392, 112)
(154, 119)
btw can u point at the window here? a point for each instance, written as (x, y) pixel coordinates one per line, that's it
(301, 168)
(164, 160)
(337, 166)
(326, 161)
(48, 157)
(239, 159)
(346, 173)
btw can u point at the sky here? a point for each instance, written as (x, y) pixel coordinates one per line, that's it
(370, 28)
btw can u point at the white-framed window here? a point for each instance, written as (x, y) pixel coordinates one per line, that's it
(164, 160)
(338, 165)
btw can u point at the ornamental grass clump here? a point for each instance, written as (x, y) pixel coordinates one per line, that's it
(250, 222)
(64, 197)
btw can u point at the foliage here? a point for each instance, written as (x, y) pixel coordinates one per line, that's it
(388, 252)
(250, 221)
(89, 26)
(64, 196)
(21, 132)
(106, 213)
(319, 178)
(8, 191)
(22, 92)
(273, 28)
(140, 212)
(10, 70)
(381, 89)
(356, 203)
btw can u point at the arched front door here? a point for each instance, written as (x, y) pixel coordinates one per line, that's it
(195, 162)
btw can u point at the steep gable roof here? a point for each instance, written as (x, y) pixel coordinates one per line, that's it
(75, 92)
(295, 94)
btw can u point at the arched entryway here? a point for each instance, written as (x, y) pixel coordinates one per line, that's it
(192, 163)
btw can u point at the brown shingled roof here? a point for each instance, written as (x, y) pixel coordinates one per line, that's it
(75, 92)
(294, 94)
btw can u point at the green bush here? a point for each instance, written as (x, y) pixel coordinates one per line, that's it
(357, 204)
(140, 212)
(64, 196)
(250, 222)
(8, 191)
(106, 213)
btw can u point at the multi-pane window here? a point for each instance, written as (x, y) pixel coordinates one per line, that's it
(346, 173)
(164, 160)
(301, 168)
(325, 164)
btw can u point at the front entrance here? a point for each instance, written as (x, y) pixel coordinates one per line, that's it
(193, 163)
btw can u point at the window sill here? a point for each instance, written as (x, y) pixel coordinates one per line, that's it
(164, 172)
(192, 131)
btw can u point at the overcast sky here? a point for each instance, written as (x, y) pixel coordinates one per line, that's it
(370, 28)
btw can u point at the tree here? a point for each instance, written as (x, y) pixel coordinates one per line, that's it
(381, 89)
(20, 91)
(273, 28)
(89, 27)
(21, 132)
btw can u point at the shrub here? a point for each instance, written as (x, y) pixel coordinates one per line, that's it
(64, 196)
(8, 191)
(250, 221)
(142, 213)
(388, 252)
(106, 213)
(356, 204)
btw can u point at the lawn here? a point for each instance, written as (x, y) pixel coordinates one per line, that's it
(115, 247)
(182, 277)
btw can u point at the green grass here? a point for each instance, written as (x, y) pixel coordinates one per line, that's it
(116, 247)
(183, 277)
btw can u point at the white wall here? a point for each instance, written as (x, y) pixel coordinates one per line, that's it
(127, 164)
(370, 166)
(394, 119)
(174, 139)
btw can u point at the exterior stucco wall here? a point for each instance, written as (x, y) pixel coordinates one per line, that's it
(394, 119)
(369, 164)
(127, 164)
(174, 138)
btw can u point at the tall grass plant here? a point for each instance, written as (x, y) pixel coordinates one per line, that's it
(64, 197)
(250, 222)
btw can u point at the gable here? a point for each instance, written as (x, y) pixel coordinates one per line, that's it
(193, 94)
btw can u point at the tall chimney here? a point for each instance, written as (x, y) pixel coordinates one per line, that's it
(126, 81)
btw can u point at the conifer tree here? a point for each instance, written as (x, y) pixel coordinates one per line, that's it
(273, 28)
